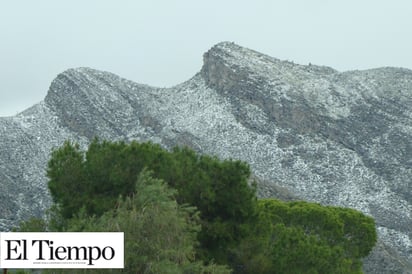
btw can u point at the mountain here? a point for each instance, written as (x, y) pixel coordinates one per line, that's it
(337, 138)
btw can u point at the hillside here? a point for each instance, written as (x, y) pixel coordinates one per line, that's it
(338, 138)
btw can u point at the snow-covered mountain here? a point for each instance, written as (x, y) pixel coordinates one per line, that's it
(336, 138)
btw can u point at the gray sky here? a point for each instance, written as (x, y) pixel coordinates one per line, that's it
(161, 43)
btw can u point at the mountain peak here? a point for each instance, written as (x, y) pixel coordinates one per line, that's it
(80, 96)
(227, 64)
(331, 137)
(235, 55)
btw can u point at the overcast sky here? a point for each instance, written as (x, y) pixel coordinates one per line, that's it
(161, 43)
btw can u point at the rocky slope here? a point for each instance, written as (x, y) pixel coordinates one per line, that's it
(336, 138)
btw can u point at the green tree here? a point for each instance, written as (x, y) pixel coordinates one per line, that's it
(67, 179)
(359, 234)
(231, 227)
(160, 234)
(93, 180)
(310, 238)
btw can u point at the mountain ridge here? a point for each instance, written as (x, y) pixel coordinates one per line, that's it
(338, 138)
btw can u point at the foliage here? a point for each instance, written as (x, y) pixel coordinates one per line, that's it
(160, 234)
(64, 169)
(32, 225)
(310, 238)
(230, 227)
(219, 189)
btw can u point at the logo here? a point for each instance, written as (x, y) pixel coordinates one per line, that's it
(61, 250)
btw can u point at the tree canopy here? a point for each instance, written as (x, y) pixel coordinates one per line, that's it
(93, 180)
(310, 238)
(214, 212)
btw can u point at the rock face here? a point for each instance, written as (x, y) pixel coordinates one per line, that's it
(310, 131)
